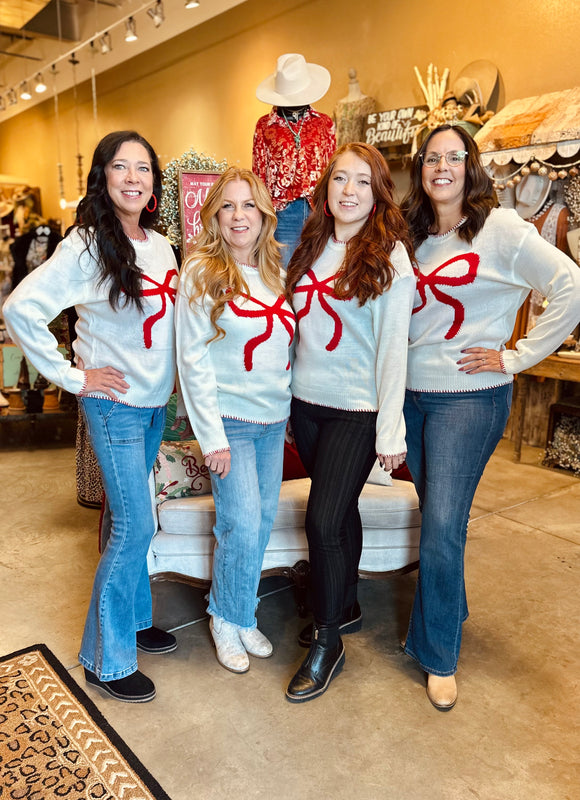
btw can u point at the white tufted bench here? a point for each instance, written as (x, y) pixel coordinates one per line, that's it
(182, 547)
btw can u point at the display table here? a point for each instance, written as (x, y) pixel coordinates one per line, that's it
(557, 367)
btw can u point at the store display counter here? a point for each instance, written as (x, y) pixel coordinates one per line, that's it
(560, 368)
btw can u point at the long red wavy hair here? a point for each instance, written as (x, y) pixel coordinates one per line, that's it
(367, 270)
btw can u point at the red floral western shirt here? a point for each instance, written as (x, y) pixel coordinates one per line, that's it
(287, 172)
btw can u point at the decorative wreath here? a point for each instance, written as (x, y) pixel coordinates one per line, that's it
(169, 209)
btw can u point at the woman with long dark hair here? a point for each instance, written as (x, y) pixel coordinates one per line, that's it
(476, 264)
(352, 285)
(120, 276)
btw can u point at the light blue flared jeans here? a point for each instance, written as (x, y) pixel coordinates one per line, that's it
(126, 440)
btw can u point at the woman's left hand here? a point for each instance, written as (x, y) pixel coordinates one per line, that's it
(480, 359)
(391, 462)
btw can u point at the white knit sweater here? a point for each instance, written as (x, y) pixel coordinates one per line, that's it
(244, 375)
(468, 295)
(140, 344)
(355, 357)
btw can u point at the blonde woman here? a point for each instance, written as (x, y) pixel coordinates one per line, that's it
(234, 331)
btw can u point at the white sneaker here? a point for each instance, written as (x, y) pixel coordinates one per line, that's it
(256, 643)
(230, 651)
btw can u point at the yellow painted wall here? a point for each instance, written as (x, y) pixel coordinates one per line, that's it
(198, 90)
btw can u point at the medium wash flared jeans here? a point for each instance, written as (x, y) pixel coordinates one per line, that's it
(126, 441)
(246, 501)
(450, 438)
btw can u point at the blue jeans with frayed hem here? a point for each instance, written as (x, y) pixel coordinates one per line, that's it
(246, 502)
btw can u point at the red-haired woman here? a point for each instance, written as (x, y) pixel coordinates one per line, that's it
(352, 285)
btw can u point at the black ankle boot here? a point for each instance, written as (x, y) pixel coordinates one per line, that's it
(324, 661)
(351, 622)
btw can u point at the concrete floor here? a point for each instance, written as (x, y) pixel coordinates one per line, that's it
(212, 735)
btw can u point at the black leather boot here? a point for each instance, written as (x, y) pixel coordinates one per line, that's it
(324, 661)
(351, 622)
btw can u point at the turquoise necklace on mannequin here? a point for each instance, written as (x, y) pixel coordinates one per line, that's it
(297, 115)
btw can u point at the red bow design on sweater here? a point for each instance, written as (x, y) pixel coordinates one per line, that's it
(286, 317)
(320, 288)
(435, 280)
(164, 291)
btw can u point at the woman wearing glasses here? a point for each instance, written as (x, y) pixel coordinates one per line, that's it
(476, 265)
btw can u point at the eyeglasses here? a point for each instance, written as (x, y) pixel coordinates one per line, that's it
(453, 158)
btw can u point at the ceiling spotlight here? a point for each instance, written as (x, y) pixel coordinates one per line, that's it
(24, 91)
(105, 43)
(157, 13)
(130, 30)
(12, 97)
(191, 3)
(40, 84)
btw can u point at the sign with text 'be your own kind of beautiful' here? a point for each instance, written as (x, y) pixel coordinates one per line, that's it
(395, 128)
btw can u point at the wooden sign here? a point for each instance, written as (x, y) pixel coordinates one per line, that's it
(395, 129)
(193, 189)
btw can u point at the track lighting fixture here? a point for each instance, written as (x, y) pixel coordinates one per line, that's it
(105, 43)
(25, 91)
(157, 13)
(100, 43)
(130, 30)
(40, 84)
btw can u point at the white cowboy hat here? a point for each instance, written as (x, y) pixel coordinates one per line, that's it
(295, 83)
(531, 194)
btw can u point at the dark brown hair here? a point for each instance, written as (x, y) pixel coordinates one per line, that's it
(103, 229)
(367, 270)
(478, 194)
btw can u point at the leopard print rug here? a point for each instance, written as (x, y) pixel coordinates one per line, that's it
(54, 742)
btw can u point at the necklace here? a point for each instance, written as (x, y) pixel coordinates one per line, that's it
(139, 238)
(454, 228)
(338, 241)
(241, 264)
(295, 133)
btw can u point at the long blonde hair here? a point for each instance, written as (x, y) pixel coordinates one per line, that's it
(211, 269)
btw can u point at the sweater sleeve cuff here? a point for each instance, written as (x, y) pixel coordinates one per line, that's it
(79, 375)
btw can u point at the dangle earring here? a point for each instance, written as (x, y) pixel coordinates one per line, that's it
(373, 211)
(326, 210)
(151, 210)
